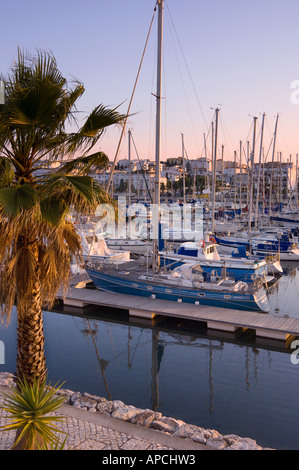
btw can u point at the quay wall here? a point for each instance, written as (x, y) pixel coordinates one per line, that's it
(150, 419)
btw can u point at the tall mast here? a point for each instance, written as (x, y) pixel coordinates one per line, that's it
(156, 212)
(296, 180)
(272, 169)
(129, 157)
(184, 170)
(289, 178)
(207, 171)
(235, 183)
(264, 195)
(158, 100)
(240, 174)
(222, 180)
(280, 182)
(251, 173)
(248, 173)
(214, 170)
(212, 179)
(184, 183)
(259, 172)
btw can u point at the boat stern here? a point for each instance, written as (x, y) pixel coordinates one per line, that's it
(261, 300)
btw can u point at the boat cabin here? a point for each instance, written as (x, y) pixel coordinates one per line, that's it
(209, 250)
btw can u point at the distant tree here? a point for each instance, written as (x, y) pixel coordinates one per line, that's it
(123, 186)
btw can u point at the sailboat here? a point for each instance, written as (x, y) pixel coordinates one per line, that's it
(265, 243)
(186, 283)
(238, 266)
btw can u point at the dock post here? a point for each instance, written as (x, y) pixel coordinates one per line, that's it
(216, 325)
(272, 334)
(134, 312)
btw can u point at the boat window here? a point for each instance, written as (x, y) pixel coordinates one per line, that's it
(187, 252)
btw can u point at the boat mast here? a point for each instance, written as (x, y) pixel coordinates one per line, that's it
(296, 180)
(129, 157)
(156, 212)
(207, 172)
(222, 181)
(240, 174)
(235, 184)
(259, 172)
(272, 169)
(184, 183)
(248, 173)
(184, 170)
(214, 170)
(251, 174)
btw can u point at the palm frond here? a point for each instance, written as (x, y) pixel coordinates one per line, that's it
(6, 172)
(94, 127)
(80, 192)
(53, 210)
(84, 164)
(14, 200)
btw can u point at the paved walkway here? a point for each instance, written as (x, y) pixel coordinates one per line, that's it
(96, 431)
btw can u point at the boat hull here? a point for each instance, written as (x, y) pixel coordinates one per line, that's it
(261, 249)
(232, 300)
(292, 255)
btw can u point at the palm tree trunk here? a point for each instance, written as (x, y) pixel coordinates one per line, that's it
(30, 345)
(30, 335)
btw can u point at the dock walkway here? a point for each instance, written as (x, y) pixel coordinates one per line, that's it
(221, 319)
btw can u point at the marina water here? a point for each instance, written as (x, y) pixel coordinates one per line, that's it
(233, 385)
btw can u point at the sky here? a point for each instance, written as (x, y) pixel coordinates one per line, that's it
(239, 56)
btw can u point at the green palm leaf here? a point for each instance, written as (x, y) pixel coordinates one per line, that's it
(17, 199)
(94, 127)
(84, 164)
(53, 210)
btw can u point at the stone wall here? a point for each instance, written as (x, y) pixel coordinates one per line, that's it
(149, 419)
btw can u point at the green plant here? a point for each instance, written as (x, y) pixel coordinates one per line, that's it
(30, 408)
(44, 178)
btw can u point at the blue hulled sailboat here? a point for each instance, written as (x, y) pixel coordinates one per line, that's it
(187, 283)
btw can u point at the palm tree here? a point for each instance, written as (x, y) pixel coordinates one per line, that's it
(37, 238)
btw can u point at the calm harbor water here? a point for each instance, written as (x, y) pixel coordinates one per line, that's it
(232, 385)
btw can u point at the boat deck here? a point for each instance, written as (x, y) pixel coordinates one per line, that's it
(136, 271)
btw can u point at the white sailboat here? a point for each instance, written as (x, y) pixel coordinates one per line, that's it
(239, 267)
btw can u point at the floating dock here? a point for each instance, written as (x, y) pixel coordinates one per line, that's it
(281, 328)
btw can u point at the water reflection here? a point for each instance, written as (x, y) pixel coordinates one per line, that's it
(284, 295)
(92, 332)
